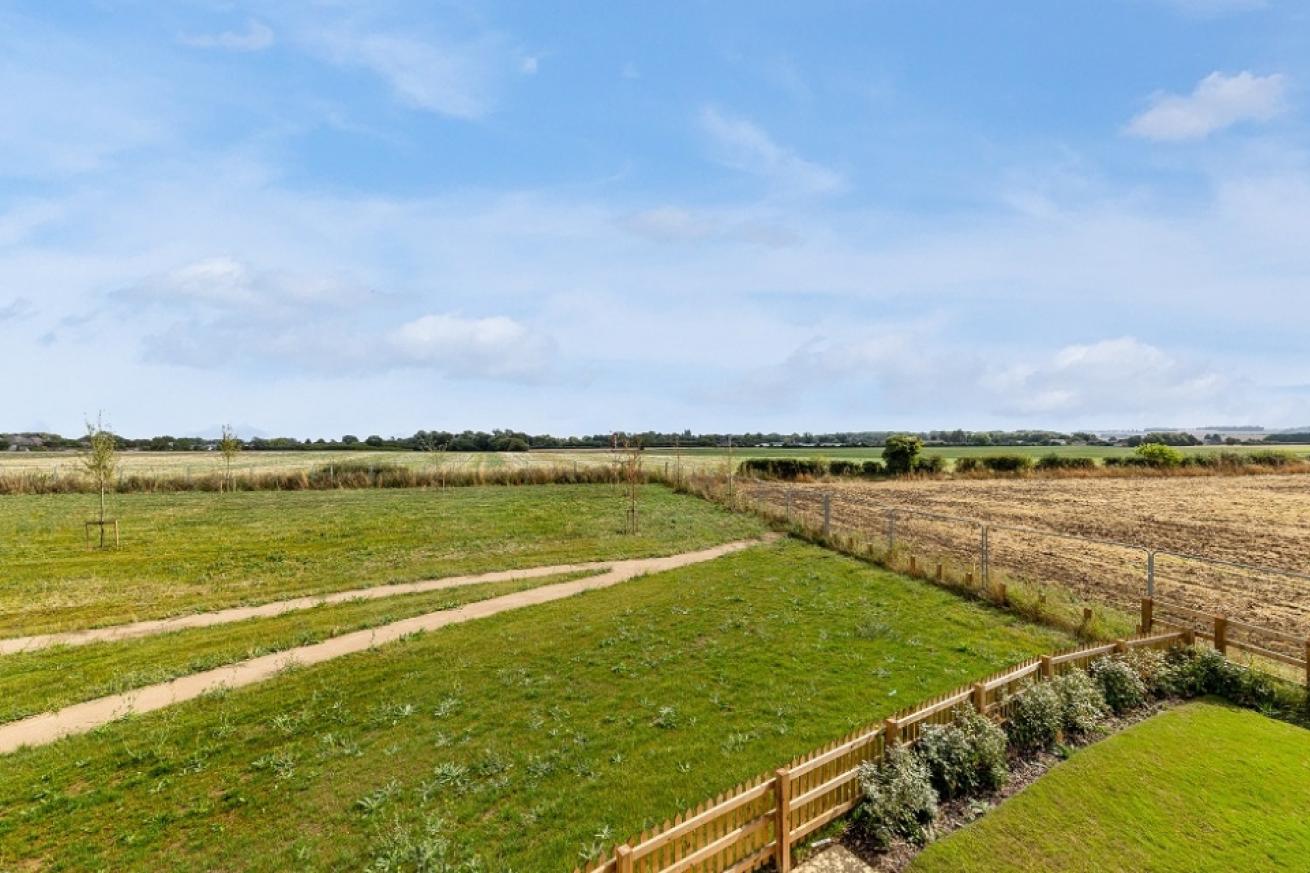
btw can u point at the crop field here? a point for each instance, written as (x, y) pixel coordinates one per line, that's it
(689, 460)
(1258, 520)
(526, 741)
(201, 551)
(1200, 787)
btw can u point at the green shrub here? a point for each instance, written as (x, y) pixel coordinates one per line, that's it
(964, 757)
(1112, 461)
(1007, 463)
(1241, 685)
(1062, 462)
(872, 468)
(899, 452)
(1185, 673)
(1036, 717)
(843, 468)
(929, 464)
(1152, 667)
(899, 800)
(1270, 458)
(1122, 687)
(967, 465)
(1082, 705)
(783, 468)
(1159, 455)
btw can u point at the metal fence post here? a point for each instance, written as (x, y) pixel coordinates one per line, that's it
(985, 556)
(827, 514)
(891, 530)
(788, 503)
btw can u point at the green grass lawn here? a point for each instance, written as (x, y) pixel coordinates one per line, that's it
(198, 551)
(1201, 787)
(525, 740)
(48, 679)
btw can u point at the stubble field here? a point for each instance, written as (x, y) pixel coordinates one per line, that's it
(1249, 520)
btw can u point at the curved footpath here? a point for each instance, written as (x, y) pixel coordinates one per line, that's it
(42, 729)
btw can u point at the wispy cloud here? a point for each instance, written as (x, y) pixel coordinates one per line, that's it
(456, 79)
(256, 37)
(1218, 101)
(19, 307)
(743, 145)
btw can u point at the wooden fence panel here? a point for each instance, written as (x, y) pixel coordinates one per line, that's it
(740, 831)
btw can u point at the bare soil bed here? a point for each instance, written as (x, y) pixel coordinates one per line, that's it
(1253, 520)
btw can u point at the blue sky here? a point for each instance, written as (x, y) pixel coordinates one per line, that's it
(319, 218)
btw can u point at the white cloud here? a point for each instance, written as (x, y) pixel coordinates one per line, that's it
(745, 146)
(1124, 374)
(1218, 101)
(459, 80)
(489, 348)
(229, 285)
(529, 65)
(256, 37)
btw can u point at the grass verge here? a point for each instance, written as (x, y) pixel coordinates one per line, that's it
(194, 552)
(49, 679)
(523, 742)
(1204, 786)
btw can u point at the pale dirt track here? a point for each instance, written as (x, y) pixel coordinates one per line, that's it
(43, 729)
(14, 645)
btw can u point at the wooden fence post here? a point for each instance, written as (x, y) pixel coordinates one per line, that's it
(891, 732)
(1221, 634)
(939, 571)
(1048, 667)
(1001, 596)
(623, 859)
(1120, 646)
(782, 820)
(1148, 612)
(914, 567)
(979, 697)
(1087, 615)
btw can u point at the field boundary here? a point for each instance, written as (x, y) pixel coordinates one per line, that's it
(1267, 644)
(757, 822)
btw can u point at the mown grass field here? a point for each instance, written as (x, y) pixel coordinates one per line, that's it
(523, 742)
(48, 679)
(190, 552)
(1201, 787)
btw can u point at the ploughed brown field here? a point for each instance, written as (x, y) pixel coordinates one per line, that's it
(1255, 520)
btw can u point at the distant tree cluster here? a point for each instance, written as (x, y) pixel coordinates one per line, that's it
(520, 441)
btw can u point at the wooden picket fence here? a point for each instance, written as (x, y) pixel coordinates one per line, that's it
(758, 822)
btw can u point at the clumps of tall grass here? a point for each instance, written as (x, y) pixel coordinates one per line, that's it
(350, 474)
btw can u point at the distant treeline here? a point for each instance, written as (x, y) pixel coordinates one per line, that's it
(519, 441)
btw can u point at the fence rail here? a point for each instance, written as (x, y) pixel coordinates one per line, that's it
(759, 822)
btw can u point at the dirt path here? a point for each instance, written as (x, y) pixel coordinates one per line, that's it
(15, 645)
(42, 729)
